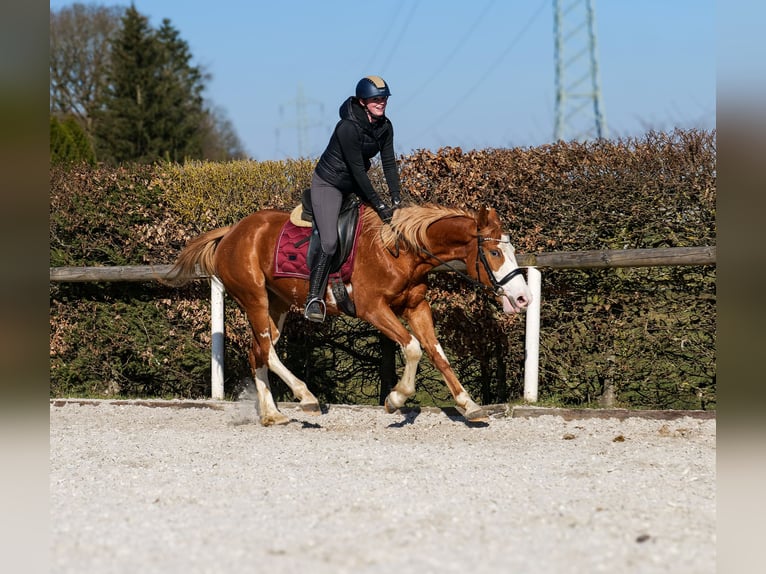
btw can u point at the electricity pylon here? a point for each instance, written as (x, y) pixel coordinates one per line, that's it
(579, 108)
(302, 123)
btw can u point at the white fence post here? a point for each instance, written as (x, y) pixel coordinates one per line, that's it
(217, 328)
(532, 342)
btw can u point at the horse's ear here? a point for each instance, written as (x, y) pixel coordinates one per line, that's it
(487, 217)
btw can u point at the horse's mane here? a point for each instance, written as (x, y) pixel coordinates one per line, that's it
(410, 224)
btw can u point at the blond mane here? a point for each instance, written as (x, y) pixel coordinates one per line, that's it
(410, 224)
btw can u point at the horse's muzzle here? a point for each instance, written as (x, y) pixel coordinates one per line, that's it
(514, 304)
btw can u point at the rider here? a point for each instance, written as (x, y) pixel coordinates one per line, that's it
(362, 132)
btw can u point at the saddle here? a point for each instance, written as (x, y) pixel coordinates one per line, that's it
(299, 244)
(348, 219)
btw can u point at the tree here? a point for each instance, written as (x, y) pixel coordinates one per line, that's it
(78, 58)
(69, 143)
(129, 103)
(179, 125)
(62, 146)
(153, 105)
(220, 141)
(133, 89)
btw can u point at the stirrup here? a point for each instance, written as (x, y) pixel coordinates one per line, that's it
(315, 316)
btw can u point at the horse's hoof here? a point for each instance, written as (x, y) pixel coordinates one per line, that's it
(276, 419)
(311, 408)
(390, 409)
(478, 415)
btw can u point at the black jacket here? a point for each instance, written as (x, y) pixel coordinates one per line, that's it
(353, 144)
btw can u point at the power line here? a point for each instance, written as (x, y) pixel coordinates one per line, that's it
(302, 123)
(451, 55)
(489, 70)
(398, 40)
(387, 30)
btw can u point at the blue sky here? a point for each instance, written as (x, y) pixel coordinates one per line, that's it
(463, 74)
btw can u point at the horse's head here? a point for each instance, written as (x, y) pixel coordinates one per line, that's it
(497, 258)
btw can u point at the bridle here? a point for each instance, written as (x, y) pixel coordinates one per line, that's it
(497, 284)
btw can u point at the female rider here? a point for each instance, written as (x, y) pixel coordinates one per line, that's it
(362, 132)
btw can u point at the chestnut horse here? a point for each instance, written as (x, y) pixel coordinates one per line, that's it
(388, 281)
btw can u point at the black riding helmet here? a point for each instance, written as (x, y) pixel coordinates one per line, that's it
(372, 87)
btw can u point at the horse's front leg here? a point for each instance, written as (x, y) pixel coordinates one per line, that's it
(388, 324)
(405, 387)
(421, 322)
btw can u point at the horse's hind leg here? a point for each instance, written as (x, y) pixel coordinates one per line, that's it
(262, 326)
(267, 408)
(263, 358)
(308, 402)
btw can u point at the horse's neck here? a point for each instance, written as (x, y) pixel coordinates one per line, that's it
(450, 238)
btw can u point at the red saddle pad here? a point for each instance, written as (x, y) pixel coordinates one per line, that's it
(292, 250)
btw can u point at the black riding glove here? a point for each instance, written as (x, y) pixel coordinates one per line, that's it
(385, 212)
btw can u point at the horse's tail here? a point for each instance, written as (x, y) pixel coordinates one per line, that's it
(196, 258)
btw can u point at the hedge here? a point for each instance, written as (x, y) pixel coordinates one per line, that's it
(647, 335)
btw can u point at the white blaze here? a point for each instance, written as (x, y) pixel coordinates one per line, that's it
(516, 287)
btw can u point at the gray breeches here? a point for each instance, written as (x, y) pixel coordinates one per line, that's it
(325, 203)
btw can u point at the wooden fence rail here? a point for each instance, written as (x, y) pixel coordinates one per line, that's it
(91, 274)
(670, 256)
(705, 255)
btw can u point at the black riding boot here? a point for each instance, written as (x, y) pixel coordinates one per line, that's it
(320, 272)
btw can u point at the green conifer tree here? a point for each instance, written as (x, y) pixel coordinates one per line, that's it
(82, 147)
(180, 126)
(152, 109)
(61, 144)
(69, 143)
(125, 118)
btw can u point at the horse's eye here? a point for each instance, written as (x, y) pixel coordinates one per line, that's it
(495, 253)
